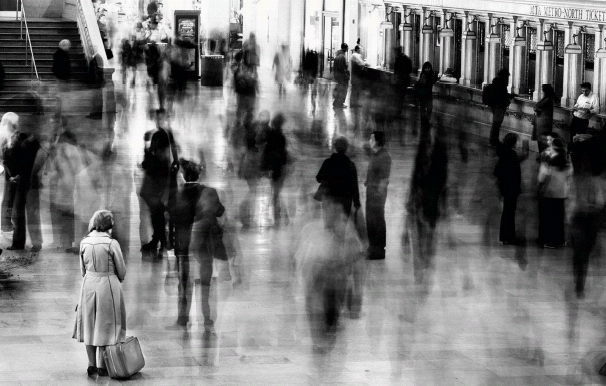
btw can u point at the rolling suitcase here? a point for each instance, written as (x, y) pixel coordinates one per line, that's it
(124, 359)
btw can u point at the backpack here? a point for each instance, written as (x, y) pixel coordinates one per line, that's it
(487, 97)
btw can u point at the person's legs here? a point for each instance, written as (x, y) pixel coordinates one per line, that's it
(206, 273)
(498, 115)
(375, 226)
(33, 217)
(91, 353)
(100, 359)
(18, 216)
(158, 224)
(185, 289)
(276, 185)
(8, 200)
(508, 220)
(543, 217)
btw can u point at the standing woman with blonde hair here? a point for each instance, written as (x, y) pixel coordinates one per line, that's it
(101, 313)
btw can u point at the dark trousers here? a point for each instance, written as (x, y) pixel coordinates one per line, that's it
(425, 110)
(340, 93)
(578, 126)
(14, 212)
(354, 97)
(185, 290)
(209, 240)
(375, 224)
(584, 228)
(508, 219)
(498, 115)
(551, 221)
(158, 222)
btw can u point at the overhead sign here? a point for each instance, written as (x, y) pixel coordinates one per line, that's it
(569, 13)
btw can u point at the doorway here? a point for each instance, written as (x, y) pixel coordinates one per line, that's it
(331, 42)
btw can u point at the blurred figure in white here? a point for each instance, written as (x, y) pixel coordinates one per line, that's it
(283, 67)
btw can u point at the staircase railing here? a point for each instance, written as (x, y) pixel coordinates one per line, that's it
(28, 41)
(89, 31)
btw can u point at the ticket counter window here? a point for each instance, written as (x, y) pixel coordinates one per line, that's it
(531, 60)
(480, 52)
(588, 57)
(506, 40)
(416, 42)
(558, 64)
(458, 38)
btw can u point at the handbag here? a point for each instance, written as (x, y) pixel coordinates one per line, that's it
(321, 192)
(124, 359)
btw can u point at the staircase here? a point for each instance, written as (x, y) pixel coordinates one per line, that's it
(21, 86)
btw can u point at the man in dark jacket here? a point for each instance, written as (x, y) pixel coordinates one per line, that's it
(377, 179)
(509, 179)
(338, 177)
(499, 101)
(341, 74)
(61, 62)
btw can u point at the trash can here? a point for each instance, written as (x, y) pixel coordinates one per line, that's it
(211, 70)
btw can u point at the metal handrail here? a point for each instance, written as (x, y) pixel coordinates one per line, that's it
(33, 66)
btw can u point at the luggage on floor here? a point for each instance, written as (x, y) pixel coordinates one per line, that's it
(124, 359)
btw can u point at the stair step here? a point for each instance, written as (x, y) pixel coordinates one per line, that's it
(45, 43)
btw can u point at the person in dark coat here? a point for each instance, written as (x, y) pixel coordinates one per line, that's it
(509, 179)
(377, 180)
(341, 74)
(19, 152)
(499, 101)
(543, 121)
(426, 198)
(338, 178)
(274, 159)
(196, 202)
(61, 62)
(160, 175)
(424, 89)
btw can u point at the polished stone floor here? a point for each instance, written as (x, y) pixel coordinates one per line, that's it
(494, 315)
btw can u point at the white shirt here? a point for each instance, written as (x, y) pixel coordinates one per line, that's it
(357, 59)
(586, 102)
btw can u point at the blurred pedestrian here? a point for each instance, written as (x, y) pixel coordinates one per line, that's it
(62, 69)
(498, 99)
(282, 66)
(274, 160)
(509, 179)
(426, 200)
(338, 191)
(160, 163)
(251, 53)
(341, 75)
(250, 167)
(424, 90)
(543, 117)
(377, 180)
(246, 88)
(19, 153)
(554, 177)
(358, 72)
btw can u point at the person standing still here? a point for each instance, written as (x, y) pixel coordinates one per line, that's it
(62, 70)
(586, 106)
(377, 180)
(499, 101)
(341, 74)
(357, 76)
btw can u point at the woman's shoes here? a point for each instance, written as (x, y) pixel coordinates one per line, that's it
(102, 372)
(91, 370)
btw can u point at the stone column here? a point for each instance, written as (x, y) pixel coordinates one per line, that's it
(573, 68)
(541, 51)
(599, 84)
(422, 38)
(518, 55)
(428, 41)
(486, 50)
(447, 45)
(463, 63)
(469, 42)
(407, 36)
(494, 55)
